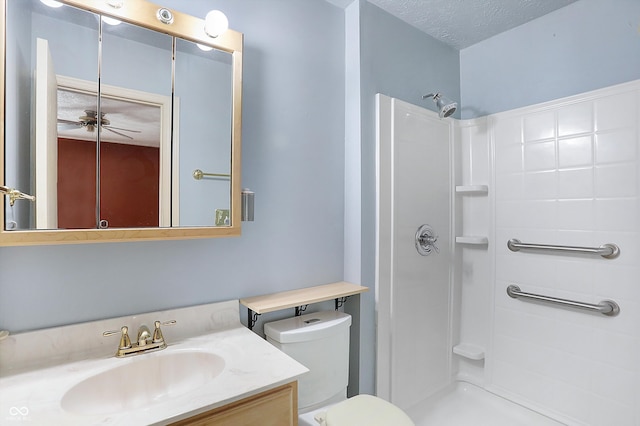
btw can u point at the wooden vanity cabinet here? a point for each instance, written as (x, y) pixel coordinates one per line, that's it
(275, 407)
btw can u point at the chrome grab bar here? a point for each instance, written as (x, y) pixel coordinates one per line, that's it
(608, 251)
(605, 307)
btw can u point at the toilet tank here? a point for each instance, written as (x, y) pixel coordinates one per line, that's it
(320, 342)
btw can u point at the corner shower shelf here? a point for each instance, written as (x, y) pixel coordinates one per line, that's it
(477, 240)
(472, 189)
(469, 351)
(299, 298)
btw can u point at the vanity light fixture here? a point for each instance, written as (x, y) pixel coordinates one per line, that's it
(51, 3)
(165, 16)
(215, 23)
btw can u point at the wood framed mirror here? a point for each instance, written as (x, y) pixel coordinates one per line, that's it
(121, 122)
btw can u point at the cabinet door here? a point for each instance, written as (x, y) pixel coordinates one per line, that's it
(276, 407)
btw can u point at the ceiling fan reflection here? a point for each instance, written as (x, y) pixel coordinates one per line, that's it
(89, 122)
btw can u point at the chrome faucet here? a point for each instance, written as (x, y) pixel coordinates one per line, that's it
(146, 341)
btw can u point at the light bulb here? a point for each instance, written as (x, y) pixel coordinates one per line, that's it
(52, 3)
(116, 4)
(204, 47)
(111, 21)
(215, 23)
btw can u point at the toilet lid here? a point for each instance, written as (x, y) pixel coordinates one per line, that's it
(366, 410)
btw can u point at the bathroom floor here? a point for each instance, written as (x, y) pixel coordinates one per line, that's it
(466, 404)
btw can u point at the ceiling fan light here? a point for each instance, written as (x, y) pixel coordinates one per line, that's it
(215, 23)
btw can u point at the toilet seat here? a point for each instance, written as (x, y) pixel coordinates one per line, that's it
(364, 410)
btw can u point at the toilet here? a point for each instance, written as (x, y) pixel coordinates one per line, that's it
(320, 341)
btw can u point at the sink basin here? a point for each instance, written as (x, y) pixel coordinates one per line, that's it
(151, 379)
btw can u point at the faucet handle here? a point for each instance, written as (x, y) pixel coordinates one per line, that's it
(157, 333)
(125, 341)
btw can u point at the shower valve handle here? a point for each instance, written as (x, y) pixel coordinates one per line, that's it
(430, 240)
(426, 240)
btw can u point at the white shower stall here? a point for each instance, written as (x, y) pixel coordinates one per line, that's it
(563, 173)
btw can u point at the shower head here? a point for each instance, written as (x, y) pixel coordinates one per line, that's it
(446, 107)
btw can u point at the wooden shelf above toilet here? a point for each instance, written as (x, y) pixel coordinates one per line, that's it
(258, 305)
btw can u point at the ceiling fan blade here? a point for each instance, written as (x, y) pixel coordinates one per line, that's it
(63, 121)
(117, 133)
(120, 128)
(69, 125)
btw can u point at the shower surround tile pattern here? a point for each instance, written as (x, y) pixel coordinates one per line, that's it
(568, 173)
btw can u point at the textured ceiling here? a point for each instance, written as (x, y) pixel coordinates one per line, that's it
(138, 121)
(462, 23)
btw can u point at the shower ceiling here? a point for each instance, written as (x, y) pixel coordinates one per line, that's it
(462, 23)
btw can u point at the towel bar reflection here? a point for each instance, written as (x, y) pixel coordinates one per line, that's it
(608, 251)
(14, 195)
(199, 174)
(605, 307)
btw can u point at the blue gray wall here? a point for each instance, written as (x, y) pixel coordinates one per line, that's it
(293, 158)
(584, 46)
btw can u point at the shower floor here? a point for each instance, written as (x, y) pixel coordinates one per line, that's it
(465, 404)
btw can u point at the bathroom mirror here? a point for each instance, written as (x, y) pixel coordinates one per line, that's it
(121, 121)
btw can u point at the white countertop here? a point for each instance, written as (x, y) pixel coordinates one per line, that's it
(32, 390)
